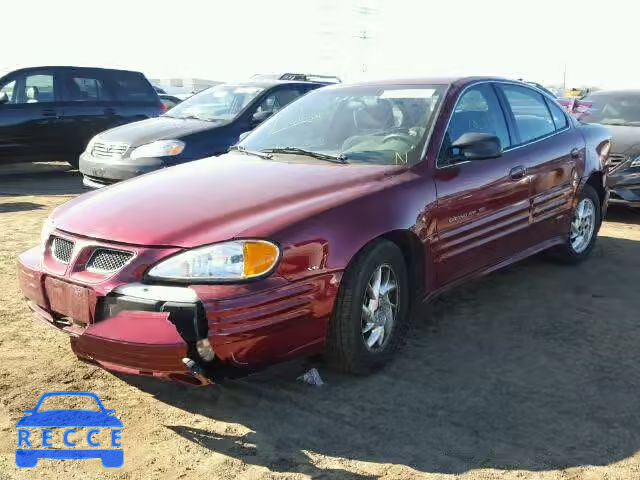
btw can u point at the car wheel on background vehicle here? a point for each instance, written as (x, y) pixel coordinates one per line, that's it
(583, 229)
(371, 312)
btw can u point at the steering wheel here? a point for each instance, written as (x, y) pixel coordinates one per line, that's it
(403, 137)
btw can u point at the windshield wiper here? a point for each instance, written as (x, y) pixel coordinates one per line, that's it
(241, 149)
(342, 158)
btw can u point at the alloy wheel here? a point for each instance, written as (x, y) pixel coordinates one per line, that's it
(379, 308)
(583, 225)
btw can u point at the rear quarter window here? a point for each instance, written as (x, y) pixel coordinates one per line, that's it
(133, 87)
(559, 118)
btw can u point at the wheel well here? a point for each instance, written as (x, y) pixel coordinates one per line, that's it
(414, 257)
(595, 180)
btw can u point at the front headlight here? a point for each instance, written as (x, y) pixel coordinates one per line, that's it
(91, 143)
(636, 162)
(161, 148)
(47, 229)
(222, 262)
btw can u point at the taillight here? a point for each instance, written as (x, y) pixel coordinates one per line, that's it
(163, 107)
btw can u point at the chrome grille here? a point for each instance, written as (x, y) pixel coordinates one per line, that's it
(615, 160)
(109, 150)
(107, 260)
(61, 249)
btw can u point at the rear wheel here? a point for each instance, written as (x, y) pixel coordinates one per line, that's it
(371, 312)
(583, 231)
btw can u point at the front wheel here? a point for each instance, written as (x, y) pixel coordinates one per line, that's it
(583, 231)
(371, 312)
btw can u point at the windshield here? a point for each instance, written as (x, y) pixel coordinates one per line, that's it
(368, 124)
(613, 109)
(222, 102)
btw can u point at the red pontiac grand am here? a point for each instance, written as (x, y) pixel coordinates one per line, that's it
(320, 229)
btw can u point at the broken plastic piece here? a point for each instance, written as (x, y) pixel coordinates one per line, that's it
(312, 377)
(204, 349)
(196, 371)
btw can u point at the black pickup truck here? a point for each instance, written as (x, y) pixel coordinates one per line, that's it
(51, 113)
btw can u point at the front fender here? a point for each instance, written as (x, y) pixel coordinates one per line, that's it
(328, 241)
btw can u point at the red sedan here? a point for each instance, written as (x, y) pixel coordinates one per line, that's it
(320, 230)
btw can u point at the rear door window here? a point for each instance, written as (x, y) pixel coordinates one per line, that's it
(530, 111)
(85, 87)
(133, 87)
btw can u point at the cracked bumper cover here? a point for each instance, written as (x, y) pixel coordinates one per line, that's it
(245, 325)
(624, 188)
(99, 172)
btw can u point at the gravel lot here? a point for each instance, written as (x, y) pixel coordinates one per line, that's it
(529, 373)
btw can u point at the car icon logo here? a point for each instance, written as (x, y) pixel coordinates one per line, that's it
(69, 421)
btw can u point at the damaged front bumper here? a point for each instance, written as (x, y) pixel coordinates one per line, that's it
(190, 334)
(136, 329)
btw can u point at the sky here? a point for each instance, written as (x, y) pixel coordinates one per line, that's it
(356, 39)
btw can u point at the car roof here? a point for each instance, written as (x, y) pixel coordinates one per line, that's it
(272, 83)
(58, 67)
(457, 81)
(69, 393)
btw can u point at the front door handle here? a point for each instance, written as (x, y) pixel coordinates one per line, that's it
(517, 173)
(575, 153)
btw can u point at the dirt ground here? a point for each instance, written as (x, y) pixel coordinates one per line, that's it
(529, 373)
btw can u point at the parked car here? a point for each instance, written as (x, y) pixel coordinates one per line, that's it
(574, 106)
(321, 230)
(206, 124)
(619, 110)
(169, 101)
(49, 113)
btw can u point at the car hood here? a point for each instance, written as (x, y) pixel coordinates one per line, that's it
(158, 128)
(218, 198)
(69, 418)
(624, 139)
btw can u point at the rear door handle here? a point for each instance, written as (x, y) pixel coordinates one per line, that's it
(109, 111)
(516, 173)
(49, 112)
(575, 153)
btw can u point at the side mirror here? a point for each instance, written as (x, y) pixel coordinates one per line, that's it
(259, 117)
(242, 136)
(4, 98)
(476, 146)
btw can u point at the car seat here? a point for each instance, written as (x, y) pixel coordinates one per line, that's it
(33, 94)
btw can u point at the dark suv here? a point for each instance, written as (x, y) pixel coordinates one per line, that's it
(203, 125)
(50, 113)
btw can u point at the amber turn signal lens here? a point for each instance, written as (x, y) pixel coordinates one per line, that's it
(259, 258)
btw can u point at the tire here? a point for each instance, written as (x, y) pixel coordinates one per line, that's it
(347, 343)
(567, 252)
